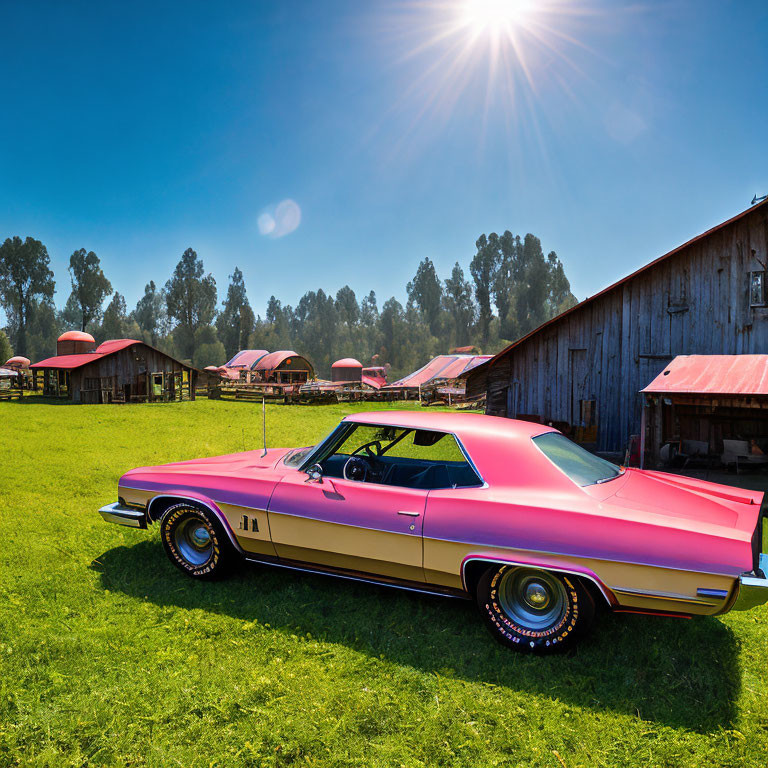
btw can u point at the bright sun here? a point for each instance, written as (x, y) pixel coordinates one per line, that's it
(495, 16)
(500, 54)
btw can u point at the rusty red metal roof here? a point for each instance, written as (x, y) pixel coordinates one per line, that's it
(115, 345)
(274, 359)
(713, 375)
(440, 367)
(68, 362)
(246, 358)
(373, 381)
(621, 282)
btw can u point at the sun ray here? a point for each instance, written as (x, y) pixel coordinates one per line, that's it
(501, 51)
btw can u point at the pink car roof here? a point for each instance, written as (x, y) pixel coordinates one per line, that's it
(458, 423)
(499, 447)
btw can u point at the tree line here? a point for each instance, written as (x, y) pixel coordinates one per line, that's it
(512, 288)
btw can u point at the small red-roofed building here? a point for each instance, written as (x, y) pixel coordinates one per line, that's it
(116, 371)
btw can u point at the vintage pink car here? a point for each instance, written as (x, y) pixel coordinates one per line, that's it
(536, 529)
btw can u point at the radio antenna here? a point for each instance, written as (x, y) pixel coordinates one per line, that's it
(264, 422)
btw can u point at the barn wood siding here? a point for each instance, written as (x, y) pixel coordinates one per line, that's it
(123, 368)
(694, 302)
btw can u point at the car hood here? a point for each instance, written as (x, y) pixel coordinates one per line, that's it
(231, 464)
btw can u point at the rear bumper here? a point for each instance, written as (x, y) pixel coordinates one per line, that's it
(121, 515)
(753, 587)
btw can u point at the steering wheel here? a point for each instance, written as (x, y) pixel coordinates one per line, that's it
(372, 449)
(356, 468)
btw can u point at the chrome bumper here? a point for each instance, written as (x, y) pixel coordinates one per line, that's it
(753, 587)
(117, 513)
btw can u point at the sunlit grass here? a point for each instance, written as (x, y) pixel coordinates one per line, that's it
(109, 656)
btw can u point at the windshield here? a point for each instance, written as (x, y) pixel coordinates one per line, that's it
(583, 467)
(295, 458)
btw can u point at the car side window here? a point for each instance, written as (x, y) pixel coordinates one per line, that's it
(430, 460)
(408, 458)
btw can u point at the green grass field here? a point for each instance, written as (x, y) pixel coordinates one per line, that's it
(110, 656)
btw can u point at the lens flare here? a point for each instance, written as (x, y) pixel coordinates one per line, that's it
(279, 220)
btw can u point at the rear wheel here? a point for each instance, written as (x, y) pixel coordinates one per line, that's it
(196, 543)
(532, 610)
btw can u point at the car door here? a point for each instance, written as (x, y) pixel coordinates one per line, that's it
(359, 526)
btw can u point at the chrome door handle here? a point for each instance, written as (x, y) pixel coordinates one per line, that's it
(408, 512)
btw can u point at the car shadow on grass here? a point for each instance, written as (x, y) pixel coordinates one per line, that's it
(681, 673)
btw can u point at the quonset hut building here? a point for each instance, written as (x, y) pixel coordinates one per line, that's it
(584, 369)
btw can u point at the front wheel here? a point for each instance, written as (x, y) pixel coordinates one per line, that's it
(531, 610)
(195, 542)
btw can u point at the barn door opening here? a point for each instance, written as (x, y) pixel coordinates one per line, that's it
(157, 386)
(578, 378)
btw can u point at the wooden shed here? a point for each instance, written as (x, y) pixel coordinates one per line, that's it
(585, 368)
(701, 406)
(121, 370)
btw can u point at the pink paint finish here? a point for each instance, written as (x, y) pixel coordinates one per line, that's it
(244, 479)
(525, 503)
(347, 502)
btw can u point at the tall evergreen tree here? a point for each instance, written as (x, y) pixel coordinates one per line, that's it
(190, 297)
(26, 282)
(347, 307)
(483, 267)
(115, 322)
(89, 286)
(150, 313)
(426, 292)
(6, 352)
(235, 321)
(460, 307)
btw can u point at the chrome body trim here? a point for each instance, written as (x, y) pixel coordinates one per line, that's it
(753, 591)
(123, 515)
(361, 579)
(718, 593)
(604, 591)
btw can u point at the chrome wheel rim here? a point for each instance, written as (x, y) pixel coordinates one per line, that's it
(193, 541)
(535, 599)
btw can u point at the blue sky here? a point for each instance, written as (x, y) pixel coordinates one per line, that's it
(138, 130)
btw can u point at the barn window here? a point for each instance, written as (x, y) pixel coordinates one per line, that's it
(757, 289)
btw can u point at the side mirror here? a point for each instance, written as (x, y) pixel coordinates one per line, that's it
(314, 474)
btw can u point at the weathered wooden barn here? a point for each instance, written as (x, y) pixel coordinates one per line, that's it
(121, 370)
(584, 369)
